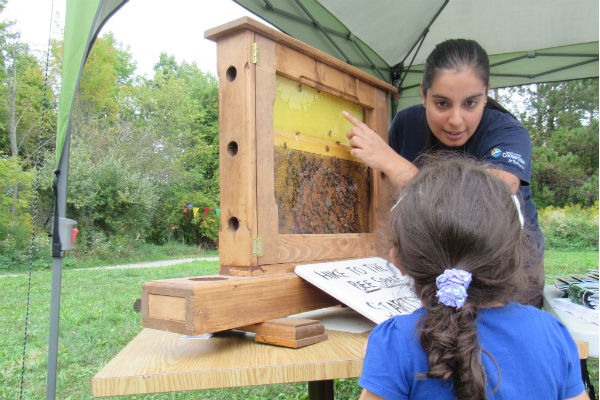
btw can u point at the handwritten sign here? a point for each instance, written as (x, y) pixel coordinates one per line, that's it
(371, 286)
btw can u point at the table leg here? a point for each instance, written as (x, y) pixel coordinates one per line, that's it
(320, 390)
(586, 379)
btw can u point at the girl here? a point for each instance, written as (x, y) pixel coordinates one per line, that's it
(457, 115)
(456, 232)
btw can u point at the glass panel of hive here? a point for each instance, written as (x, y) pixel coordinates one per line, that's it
(319, 187)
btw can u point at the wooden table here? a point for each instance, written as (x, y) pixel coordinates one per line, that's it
(159, 361)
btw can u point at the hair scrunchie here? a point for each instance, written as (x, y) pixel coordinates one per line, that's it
(452, 287)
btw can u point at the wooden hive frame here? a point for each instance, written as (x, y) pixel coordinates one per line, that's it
(249, 57)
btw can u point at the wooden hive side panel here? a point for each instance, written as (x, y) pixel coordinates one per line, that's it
(267, 207)
(237, 159)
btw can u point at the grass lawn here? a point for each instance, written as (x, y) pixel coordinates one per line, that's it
(97, 320)
(142, 253)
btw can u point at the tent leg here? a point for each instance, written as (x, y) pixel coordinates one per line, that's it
(54, 320)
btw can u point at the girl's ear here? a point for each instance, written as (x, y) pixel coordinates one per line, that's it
(394, 258)
(422, 95)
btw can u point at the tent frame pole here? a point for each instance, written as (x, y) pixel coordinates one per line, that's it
(54, 324)
(418, 42)
(57, 262)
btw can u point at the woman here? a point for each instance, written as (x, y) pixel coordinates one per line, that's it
(457, 115)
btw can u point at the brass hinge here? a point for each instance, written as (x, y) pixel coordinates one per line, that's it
(257, 246)
(254, 53)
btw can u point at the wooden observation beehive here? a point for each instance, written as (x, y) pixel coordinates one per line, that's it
(291, 193)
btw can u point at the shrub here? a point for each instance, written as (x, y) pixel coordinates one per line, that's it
(171, 223)
(571, 227)
(565, 166)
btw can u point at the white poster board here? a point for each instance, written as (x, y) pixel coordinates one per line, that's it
(371, 286)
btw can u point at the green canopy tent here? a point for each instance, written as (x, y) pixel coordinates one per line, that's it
(528, 42)
(83, 21)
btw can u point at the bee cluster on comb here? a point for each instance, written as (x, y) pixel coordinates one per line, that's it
(318, 194)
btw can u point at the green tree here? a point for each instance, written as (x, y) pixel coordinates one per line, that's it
(179, 107)
(562, 119)
(550, 106)
(201, 148)
(22, 90)
(166, 65)
(6, 35)
(141, 148)
(106, 77)
(164, 106)
(111, 199)
(565, 171)
(15, 221)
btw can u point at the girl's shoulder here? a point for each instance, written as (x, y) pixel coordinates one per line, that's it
(527, 318)
(399, 325)
(397, 336)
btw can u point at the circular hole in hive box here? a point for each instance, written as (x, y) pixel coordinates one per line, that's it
(208, 278)
(231, 73)
(233, 224)
(232, 149)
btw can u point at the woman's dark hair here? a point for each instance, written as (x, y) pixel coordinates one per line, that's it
(456, 214)
(458, 54)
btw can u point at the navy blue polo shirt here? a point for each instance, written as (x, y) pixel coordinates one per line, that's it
(500, 140)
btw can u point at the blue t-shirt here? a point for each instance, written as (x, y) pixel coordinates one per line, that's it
(500, 140)
(535, 354)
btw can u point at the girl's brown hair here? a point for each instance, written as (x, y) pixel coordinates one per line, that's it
(455, 214)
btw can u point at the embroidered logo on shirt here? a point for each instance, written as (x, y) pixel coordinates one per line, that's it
(511, 158)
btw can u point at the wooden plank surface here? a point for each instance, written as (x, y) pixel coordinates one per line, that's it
(260, 270)
(336, 80)
(323, 147)
(157, 361)
(309, 248)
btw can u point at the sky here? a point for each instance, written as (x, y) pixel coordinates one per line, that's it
(145, 28)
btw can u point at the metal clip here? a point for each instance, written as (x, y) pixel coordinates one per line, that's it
(254, 53)
(257, 246)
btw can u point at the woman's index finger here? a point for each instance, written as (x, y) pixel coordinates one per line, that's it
(353, 120)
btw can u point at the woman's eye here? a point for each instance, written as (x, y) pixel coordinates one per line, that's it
(442, 104)
(471, 103)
